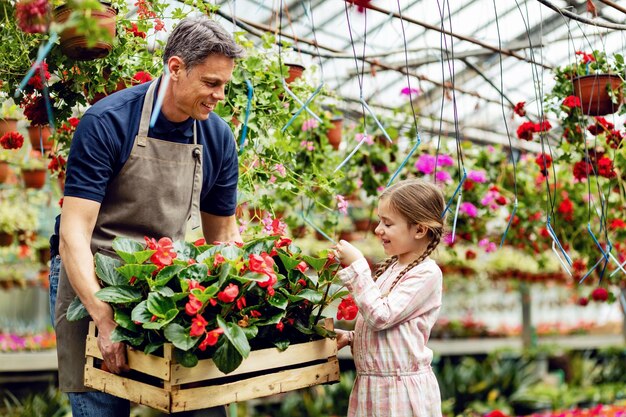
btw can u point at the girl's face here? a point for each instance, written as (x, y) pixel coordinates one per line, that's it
(398, 237)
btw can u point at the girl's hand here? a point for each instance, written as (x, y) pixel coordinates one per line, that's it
(343, 338)
(346, 253)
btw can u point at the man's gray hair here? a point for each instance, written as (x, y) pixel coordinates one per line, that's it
(195, 38)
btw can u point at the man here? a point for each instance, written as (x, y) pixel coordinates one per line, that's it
(126, 179)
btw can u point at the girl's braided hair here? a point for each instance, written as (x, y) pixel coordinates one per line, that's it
(419, 202)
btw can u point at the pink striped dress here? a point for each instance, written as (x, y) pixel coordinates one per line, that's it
(394, 377)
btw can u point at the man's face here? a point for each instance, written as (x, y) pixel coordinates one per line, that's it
(197, 92)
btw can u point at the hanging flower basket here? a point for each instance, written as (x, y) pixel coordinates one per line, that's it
(295, 72)
(593, 91)
(40, 135)
(7, 125)
(34, 178)
(75, 45)
(4, 171)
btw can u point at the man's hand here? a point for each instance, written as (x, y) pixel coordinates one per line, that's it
(346, 253)
(113, 353)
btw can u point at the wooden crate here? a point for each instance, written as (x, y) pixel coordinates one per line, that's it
(177, 388)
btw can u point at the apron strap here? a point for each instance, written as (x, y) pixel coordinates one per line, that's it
(197, 182)
(146, 112)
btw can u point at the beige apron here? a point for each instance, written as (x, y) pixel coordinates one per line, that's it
(155, 194)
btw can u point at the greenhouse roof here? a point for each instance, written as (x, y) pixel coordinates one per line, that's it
(464, 59)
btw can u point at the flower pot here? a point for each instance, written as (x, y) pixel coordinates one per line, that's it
(362, 225)
(43, 254)
(74, 45)
(7, 125)
(34, 178)
(295, 72)
(40, 135)
(6, 238)
(99, 96)
(4, 171)
(593, 93)
(334, 133)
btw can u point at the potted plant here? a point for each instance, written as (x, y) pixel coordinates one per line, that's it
(9, 219)
(33, 168)
(10, 114)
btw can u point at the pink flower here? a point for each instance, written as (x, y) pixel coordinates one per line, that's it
(487, 245)
(364, 138)
(469, 209)
(444, 160)
(410, 91)
(309, 124)
(342, 204)
(280, 168)
(425, 164)
(443, 176)
(308, 145)
(477, 176)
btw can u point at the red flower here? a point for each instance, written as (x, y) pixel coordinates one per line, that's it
(211, 338)
(525, 131)
(600, 294)
(158, 25)
(470, 254)
(583, 301)
(35, 81)
(199, 242)
(278, 227)
(198, 324)
(31, 15)
(193, 284)
(582, 169)
(12, 140)
(605, 168)
(572, 101)
(617, 224)
(496, 413)
(587, 58)
(135, 31)
(302, 267)
(544, 161)
(361, 4)
(543, 126)
(141, 77)
(255, 313)
(241, 303)
(468, 185)
(280, 326)
(218, 260)
(501, 200)
(282, 242)
(229, 294)
(519, 109)
(57, 162)
(566, 208)
(302, 282)
(193, 305)
(164, 254)
(614, 139)
(347, 309)
(600, 126)
(35, 110)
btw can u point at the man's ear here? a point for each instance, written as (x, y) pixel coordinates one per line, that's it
(175, 65)
(421, 231)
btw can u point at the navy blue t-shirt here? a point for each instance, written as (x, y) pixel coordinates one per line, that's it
(104, 139)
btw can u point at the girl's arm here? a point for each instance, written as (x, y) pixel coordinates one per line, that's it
(417, 292)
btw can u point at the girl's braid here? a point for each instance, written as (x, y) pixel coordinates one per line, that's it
(382, 267)
(429, 249)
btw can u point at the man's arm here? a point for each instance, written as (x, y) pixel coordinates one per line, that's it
(220, 228)
(78, 220)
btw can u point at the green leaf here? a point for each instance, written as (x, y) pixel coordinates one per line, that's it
(250, 331)
(313, 296)
(152, 347)
(164, 276)
(143, 256)
(140, 313)
(120, 334)
(227, 358)
(282, 344)
(135, 270)
(231, 252)
(160, 305)
(224, 273)
(316, 263)
(236, 336)
(120, 294)
(76, 310)
(125, 249)
(198, 272)
(301, 328)
(179, 337)
(123, 319)
(272, 320)
(185, 250)
(278, 301)
(106, 270)
(187, 359)
(289, 262)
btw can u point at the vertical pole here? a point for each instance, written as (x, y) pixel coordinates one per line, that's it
(527, 331)
(232, 409)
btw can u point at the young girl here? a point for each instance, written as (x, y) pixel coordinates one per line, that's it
(397, 306)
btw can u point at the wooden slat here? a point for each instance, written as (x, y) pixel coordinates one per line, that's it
(258, 360)
(134, 391)
(260, 386)
(137, 360)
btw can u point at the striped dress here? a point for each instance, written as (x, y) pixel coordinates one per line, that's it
(394, 377)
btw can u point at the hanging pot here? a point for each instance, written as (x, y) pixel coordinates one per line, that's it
(6, 238)
(4, 171)
(295, 72)
(40, 135)
(74, 44)
(7, 125)
(34, 178)
(334, 133)
(592, 90)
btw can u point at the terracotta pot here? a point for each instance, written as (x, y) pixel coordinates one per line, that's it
(34, 178)
(39, 135)
(334, 133)
(593, 94)
(43, 254)
(74, 45)
(7, 125)
(299, 231)
(4, 171)
(99, 96)
(295, 72)
(6, 238)
(362, 225)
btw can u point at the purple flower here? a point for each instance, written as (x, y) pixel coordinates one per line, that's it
(477, 176)
(443, 176)
(444, 160)
(469, 209)
(425, 164)
(410, 91)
